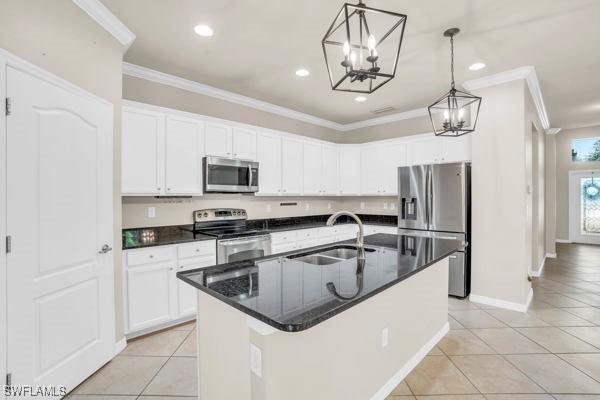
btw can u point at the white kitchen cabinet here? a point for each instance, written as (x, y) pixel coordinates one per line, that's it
(313, 169)
(393, 156)
(151, 295)
(218, 140)
(291, 169)
(268, 155)
(142, 152)
(184, 147)
(244, 144)
(330, 166)
(349, 171)
(455, 149)
(154, 297)
(425, 150)
(370, 172)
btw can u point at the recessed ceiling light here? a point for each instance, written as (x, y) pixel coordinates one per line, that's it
(360, 99)
(302, 72)
(203, 30)
(477, 66)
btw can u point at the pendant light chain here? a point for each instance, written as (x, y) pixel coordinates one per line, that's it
(452, 59)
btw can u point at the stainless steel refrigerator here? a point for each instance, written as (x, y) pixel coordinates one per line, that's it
(434, 200)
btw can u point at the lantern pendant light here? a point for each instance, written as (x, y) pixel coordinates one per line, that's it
(455, 113)
(362, 47)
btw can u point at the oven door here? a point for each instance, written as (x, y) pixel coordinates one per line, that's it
(230, 250)
(229, 175)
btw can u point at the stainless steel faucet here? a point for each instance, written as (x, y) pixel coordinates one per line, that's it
(360, 244)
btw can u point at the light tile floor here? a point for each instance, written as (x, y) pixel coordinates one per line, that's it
(550, 352)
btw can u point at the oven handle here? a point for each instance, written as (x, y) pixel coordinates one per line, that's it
(231, 242)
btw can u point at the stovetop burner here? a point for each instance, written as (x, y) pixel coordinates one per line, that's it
(224, 223)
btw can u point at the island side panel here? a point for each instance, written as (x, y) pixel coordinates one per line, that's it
(343, 357)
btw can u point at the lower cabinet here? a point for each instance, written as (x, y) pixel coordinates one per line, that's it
(154, 296)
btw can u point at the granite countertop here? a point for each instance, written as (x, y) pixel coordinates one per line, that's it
(291, 295)
(166, 235)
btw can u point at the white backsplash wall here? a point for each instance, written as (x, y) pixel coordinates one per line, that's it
(176, 211)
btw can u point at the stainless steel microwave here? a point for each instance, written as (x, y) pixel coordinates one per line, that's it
(226, 175)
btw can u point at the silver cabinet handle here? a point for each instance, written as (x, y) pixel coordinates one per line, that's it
(105, 249)
(249, 175)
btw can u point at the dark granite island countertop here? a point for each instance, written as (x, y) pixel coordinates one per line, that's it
(291, 295)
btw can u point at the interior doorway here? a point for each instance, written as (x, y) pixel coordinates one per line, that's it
(584, 206)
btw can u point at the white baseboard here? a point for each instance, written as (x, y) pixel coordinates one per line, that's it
(508, 305)
(540, 268)
(390, 385)
(551, 255)
(120, 346)
(563, 241)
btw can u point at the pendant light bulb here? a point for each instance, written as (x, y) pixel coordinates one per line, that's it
(371, 42)
(446, 116)
(346, 49)
(353, 59)
(461, 115)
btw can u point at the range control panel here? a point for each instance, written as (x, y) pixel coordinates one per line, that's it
(219, 214)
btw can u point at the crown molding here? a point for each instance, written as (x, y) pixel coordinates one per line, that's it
(106, 19)
(186, 84)
(526, 73)
(552, 131)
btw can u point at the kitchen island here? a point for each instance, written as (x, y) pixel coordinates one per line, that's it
(319, 324)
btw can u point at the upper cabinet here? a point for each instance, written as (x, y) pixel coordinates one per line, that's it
(183, 156)
(142, 152)
(225, 141)
(162, 153)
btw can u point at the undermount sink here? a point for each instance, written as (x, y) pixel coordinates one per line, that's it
(318, 259)
(345, 253)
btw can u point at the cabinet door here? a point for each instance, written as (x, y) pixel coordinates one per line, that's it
(371, 164)
(313, 169)
(425, 151)
(184, 149)
(151, 295)
(244, 144)
(456, 149)
(349, 171)
(268, 155)
(394, 156)
(142, 152)
(186, 294)
(217, 140)
(330, 174)
(291, 171)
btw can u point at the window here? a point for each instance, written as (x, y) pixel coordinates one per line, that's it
(585, 150)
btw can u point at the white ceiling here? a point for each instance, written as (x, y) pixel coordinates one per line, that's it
(258, 45)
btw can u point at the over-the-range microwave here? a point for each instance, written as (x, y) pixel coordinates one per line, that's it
(227, 175)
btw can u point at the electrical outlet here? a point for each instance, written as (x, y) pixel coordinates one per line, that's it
(385, 337)
(151, 212)
(268, 208)
(255, 360)
(385, 206)
(392, 206)
(307, 206)
(362, 206)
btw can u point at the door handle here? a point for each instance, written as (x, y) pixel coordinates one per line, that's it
(105, 249)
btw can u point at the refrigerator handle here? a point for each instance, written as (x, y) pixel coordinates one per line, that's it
(430, 197)
(427, 197)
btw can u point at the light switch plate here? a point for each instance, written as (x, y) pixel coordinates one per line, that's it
(255, 360)
(362, 206)
(151, 212)
(392, 206)
(329, 206)
(385, 206)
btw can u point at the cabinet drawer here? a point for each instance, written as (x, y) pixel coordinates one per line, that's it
(307, 234)
(283, 237)
(196, 249)
(196, 262)
(151, 255)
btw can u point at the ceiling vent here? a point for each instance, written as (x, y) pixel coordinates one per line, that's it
(383, 110)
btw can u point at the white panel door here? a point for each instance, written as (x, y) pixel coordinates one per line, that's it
(268, 155)
(370, 171)
(183, 156)
(349, 171)
(394, 156)
(330, 175)
(186, 294)
(313, 169)
(291, 171)
(244, 144)
(59, 213)
(217, 140)
(142, 152)
(151, 295)
(584, 206)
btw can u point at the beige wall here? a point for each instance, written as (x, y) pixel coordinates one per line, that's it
(392, 130)
(500, 204)
(563, 166)
(60, 38)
